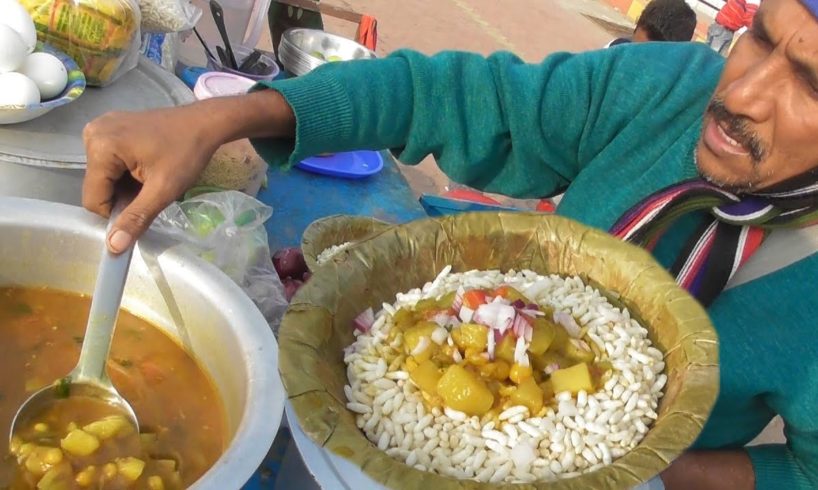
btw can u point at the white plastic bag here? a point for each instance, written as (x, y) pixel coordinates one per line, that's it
(162, 49)
(227, 229)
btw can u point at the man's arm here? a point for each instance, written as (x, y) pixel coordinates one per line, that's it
(710, 470)
(497, 123)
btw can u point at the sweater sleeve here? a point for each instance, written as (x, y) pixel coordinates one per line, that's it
(495, 123)
(793, 465)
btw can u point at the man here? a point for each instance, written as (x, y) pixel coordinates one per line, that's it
(662, 20)
(736, 15)
(652, 138)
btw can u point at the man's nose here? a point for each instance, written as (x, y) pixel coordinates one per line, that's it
(754, 92)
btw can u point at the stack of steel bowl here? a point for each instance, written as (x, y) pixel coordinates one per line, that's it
(303, 50)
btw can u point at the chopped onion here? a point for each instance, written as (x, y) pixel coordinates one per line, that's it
(519, 325)
(457, 302)
(532, 312)
(466, 314)
(549, 369)
(364, 321)
(495, 315)
(529, 333)
(567, 321)
(519, 352)
(442, 319)
(423, 344)
(491, 344)
(501, 300)
(519, 304)
(458, 358)
(440, 335)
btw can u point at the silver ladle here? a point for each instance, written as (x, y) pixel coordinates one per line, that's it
(89, 379)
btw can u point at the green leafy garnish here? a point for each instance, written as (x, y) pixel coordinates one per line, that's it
(124, 362)
(63, 388)
(21, 309)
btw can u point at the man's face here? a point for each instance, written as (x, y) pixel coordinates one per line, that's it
(762, 125)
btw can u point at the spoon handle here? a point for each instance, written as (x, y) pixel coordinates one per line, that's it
(111, 277)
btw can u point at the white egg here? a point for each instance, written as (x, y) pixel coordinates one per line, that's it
(17, 17)
(17, 90)
(47, 71)
(12, 50)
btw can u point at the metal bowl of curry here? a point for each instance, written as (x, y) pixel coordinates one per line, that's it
(191, 352)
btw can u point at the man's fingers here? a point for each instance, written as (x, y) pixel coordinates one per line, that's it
(102, 171)
(137, 217)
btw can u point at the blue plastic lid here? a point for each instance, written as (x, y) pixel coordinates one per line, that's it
(349, 165)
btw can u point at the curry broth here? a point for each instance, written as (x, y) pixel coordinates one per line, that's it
(173, 397)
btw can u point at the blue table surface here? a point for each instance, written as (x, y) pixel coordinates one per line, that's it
(298, 198)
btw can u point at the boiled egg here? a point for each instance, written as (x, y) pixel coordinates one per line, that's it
(47, 72)
(17, 17)
(18, 90)
(13, 51)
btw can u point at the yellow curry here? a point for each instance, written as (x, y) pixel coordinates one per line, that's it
(83, 444)
(487, 363)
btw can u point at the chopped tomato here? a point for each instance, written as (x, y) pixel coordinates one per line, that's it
(502, 291)
(474, 298)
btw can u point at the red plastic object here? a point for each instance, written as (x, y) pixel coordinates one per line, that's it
(546, 206)
(473, 196)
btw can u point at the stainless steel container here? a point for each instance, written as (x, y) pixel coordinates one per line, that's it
(297, 47)
(55, 245)
(45, 158)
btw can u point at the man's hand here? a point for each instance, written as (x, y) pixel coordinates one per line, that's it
(166, 150)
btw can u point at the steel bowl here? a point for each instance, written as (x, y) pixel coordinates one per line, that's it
(58, 246)
(298, 47)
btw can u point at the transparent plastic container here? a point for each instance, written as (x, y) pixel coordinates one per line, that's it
(243, 19)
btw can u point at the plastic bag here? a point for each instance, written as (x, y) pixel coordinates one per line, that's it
(164, 16)
(227, 230)
(162, 49)
(102, 36)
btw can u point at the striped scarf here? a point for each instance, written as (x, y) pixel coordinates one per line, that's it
(734, 231)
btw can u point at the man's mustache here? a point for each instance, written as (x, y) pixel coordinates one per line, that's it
(738, 128)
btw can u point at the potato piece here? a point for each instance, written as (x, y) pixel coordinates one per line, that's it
(511, 294)
(130, 468)
(413, 337)
(445, 302)
(561, 338)
(544, 334)
(57, 478)
(110, 471)
(471, 336)
(156, 483)
(85, 478)
(549, 360)
(578, 350)
(108, 427)
(519, 373)
(464, 391)
(547, 389)
(529, 394)
(426, 376)
(79, 443)
(574, 379)
(498, 370)
(505, 349)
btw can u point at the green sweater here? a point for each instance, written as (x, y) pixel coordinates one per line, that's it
(608, 127)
